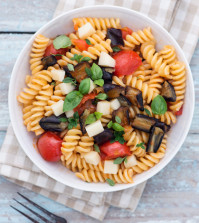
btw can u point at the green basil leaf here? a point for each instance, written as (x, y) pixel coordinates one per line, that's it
(96, 147)
(99, 82)
(110, 182)
(112, 141)
(147, 111)
(125, 160)
(57, 54)
(69, 80)
(96, 72)
(70, 67)
(88, 71)
(98, 115)
(119, 160)
(70, 126)
(63, 119)
(53, 83)
(77, 57)
(141, 145)
(110, 124)
(101, 96)
(85, 59)
(117, 119)
(61, 41)
(90, 119)
(72, 100)
(84, 86)
(119, 137)
(116, 49)
(88, 41)
(159, 105)
(117, 127)
(76, 115)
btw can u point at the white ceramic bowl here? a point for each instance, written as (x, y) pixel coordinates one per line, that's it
(63, 24)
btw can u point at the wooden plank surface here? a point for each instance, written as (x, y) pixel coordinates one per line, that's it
(170, 196)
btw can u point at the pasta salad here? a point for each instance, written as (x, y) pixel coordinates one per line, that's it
(102, 99)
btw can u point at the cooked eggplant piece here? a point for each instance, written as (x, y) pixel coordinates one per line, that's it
(134, 95)
(53, 123)
(48, 61)
(104, 136)
(82, 120)
(123, 114)
(107, 76)
(115, 35)
(89, 104)
(67, 71)
(79, 72)
(155, 139)
(143, 123)
(168, 92)
(113, 90)
(124, 101)
(163, 126)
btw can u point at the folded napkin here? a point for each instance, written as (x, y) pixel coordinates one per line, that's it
(180, 18)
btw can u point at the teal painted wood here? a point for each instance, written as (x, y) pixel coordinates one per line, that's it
(170, 196)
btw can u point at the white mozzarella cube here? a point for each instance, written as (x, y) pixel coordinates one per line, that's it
(66, 88)
(94, 128)
(86, 31)
(131, 161)
(106, 60)
(104, 107)
(92, 157)
(58, 107)
(92, 86)
(115, 104)
(110, 167)
(58, 75)
(69, 114)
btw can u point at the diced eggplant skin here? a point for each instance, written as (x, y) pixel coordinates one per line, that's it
(113, 90)
(123, 114)
(82, 120)
(143, 123)
(134, 95)
(53, 124)
(155, 140)
(115, 35)
(163, 126)
(168, 92)
(104, 136)
(48, 61)
(79, 72)
(68, 74)
(107, 76)
(124, 101)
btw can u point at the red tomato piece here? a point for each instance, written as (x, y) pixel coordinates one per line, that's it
(126, 31)
(114, 150)
(80, 44)
(127, 62)
(49, 146)
(51, 50)
(84, 99)
(179, 112)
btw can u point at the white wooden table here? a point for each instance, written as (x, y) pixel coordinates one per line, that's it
(170, 196)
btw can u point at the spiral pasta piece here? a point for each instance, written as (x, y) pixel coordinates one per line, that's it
(155, 59)
(85, 144)
(139, 37)
(155, 82)
(97, 23)
(105, 119)
(37, 52)
(178, 73)
(118, 81)
(168, 54)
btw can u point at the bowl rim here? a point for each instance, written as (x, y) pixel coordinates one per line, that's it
(12, 83)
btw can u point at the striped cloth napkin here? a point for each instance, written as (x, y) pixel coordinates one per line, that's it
(180, 18)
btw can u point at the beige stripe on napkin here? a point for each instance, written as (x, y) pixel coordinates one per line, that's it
(180, 17)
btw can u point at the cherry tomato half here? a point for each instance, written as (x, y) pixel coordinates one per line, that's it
(127, 62)
(51, 50)
(179, 112)
(80, 44)
(49, 146)
(126, 31)
(114, 150)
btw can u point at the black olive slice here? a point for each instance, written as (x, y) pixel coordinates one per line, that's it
(107, 76)
(115, 35)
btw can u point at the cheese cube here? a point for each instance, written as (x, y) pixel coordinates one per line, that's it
(106, 60)
(115, 104)
(92, 157)
(58, 75)
(131, 161)
(58, 107)
(92, 86)
(69, 114)
(94, 128)
(66, 88)
(110, 167)
(104, 107)
(86, 31)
